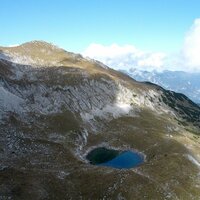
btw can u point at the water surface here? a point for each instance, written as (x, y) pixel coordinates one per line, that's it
(114, 158)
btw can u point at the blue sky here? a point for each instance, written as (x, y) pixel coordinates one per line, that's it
(147, 34)
(156, 25)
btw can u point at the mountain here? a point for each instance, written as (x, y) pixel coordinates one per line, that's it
(57, 106)
(179, 81)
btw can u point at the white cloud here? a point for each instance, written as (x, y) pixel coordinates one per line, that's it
(128, 56)
(125, 57)
(191, 47)
(13, 45)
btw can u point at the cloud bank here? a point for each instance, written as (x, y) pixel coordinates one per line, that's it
(128, 56)
(191, 47)
(13, 45)
(125, 57)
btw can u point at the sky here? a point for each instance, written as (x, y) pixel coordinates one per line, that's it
(146, 34)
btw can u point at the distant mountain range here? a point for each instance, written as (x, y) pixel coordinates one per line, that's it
(178, 81)
(57, 107)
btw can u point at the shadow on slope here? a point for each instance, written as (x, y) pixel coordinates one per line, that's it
(41, 148)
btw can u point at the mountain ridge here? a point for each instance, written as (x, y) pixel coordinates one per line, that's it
(53, 113)
(179, 81)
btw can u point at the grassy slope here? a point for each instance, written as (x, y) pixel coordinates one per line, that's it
(60, 174)
(43, 162)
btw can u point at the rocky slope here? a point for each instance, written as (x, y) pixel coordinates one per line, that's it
(55, 106)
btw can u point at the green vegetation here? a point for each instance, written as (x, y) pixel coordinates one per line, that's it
(43, 151)
(188, 111)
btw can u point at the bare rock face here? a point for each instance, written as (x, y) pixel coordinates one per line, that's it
(55, 106)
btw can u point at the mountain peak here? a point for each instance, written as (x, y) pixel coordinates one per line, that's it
(52, 117)
(36, 52)
(39, 44)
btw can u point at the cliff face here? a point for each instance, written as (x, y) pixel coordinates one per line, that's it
(55, 106)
